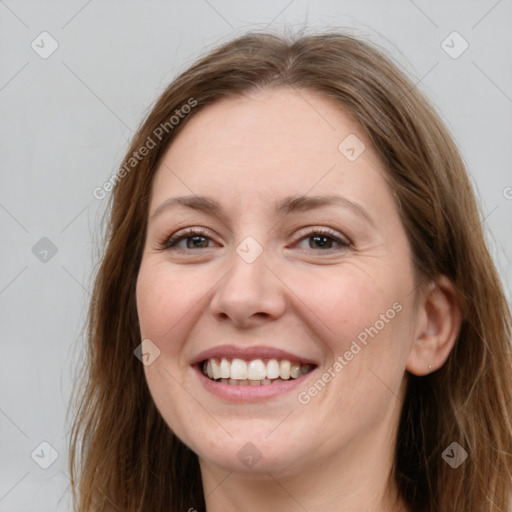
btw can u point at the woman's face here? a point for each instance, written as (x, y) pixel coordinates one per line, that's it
(301, 310)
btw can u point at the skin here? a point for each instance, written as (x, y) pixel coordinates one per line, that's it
(336, 451)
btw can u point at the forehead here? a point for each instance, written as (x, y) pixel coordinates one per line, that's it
(269, 143)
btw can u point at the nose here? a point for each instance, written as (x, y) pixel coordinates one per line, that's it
(249, 294)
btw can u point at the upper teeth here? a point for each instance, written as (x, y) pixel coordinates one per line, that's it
(256, 369)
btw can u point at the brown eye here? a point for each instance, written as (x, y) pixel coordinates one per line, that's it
(197, 242)
(194, 239)
(324, 240)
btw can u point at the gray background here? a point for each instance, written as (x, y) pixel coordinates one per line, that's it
(65, 124)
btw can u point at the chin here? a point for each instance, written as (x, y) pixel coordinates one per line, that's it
(253, 454)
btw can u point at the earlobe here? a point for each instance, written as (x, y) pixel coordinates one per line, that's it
(439, 320)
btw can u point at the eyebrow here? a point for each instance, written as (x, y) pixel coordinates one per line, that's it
(288, 205)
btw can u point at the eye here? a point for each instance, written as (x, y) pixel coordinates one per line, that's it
(195, 235)
(324, 238)
(196, 238)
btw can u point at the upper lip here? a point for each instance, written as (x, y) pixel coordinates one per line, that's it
(250, 353)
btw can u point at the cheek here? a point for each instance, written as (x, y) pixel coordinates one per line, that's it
(163, 298)
(162, 307)
(365, 316)
(164, 302)
(368, 335)
(350, 299)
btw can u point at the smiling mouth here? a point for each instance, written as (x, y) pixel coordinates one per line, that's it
(256, 372)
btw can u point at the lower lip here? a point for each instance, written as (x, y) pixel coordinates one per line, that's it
(249, 393)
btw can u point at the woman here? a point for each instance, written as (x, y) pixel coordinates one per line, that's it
(296, 259)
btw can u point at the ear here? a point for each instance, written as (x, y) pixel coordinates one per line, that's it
(439, 319)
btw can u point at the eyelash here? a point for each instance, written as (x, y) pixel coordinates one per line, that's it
(169, 243)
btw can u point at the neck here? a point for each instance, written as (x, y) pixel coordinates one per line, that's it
(309, 493)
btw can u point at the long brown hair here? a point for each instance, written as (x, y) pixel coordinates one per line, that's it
(122, 454)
